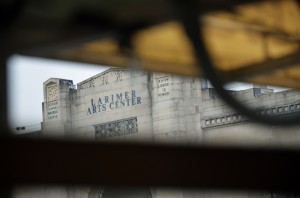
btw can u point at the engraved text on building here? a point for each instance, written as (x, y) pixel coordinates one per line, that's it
(163, 86)
(53, 108)
(114, 101)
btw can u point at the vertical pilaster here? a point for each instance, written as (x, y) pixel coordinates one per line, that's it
(56, 107)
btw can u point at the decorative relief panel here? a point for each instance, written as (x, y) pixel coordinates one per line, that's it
(52, 104)
(52, 93)
(110, 76)
(116, 128)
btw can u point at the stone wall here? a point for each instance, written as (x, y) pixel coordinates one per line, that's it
(118, 105)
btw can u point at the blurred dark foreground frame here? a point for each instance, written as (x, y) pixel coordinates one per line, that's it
(26, 161)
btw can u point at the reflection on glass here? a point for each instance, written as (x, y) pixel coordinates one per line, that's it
(133, 105)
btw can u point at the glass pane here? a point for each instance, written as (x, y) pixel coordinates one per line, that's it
(64, 99)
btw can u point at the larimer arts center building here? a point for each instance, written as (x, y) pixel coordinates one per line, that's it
(121, 104)
(125, 105)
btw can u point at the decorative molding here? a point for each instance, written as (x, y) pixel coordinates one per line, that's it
(50, 82)
(109, 76)
(223, 120)
(283, 109)
(236, 118)
(116, 128)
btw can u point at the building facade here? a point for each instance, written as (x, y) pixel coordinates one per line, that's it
(127, 105)
(122, 105)
(118, 104)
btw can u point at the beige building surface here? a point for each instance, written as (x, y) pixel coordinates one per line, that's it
(124, 105)
(118, 104)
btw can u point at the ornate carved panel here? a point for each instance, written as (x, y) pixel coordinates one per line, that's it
(52, 93)
(110, 76)
(52, 105)
(116, 128)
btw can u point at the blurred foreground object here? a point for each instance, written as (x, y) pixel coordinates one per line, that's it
(253, 41)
